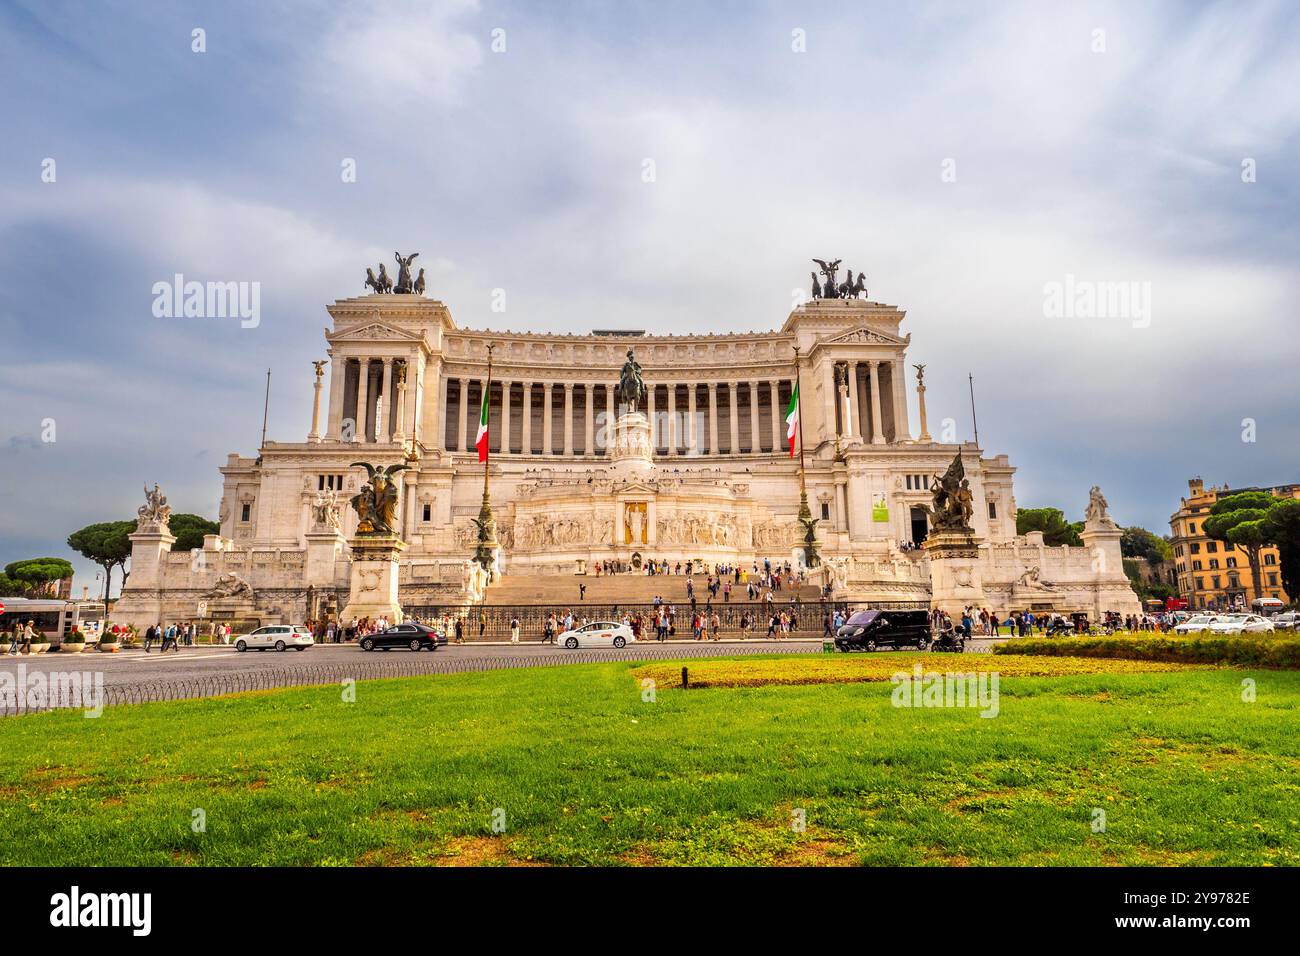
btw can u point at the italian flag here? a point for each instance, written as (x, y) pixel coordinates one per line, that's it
(481, 439)
(792, 419)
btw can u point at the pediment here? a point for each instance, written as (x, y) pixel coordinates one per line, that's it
(862, 336)
(373, 331)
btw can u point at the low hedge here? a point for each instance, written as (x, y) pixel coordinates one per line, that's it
(1255, 650)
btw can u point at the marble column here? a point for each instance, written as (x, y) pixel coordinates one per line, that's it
(384, 421)
(363, 398)
(877, 436)
(830, 429)
(778, 433)
(314, 435)
(672, 418)
(463, 417)
(338, 376)
(733, 402)
(755, 444)
(589, 437)
(568, 419)
(713, 418)
(527, 438)
(692, 426)
(609, 416)
(505, 416)
(548, 426)
(855, 407)
(399, 421)
(902, 430)
(650, 412)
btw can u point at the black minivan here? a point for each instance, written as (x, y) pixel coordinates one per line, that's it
(867, 630)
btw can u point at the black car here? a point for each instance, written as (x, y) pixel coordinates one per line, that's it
(867, 630)
(418, 637)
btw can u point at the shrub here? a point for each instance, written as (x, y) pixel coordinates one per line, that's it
(1253, 650)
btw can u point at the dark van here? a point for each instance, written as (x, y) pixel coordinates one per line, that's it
(867, 630)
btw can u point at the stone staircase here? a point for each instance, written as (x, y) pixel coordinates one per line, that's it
(622, 589)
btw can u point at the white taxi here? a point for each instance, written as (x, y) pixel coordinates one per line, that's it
(597, 634)
(280, 636)
(1241, 624)
(1194, 625)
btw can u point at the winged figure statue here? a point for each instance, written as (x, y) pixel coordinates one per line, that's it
(376, 503)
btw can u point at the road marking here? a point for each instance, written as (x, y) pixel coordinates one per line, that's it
(175, 657)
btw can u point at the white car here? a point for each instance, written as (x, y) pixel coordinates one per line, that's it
(1194, 625)
(1241, 624)
(280, 636)
(597, 634)
(1287, 621)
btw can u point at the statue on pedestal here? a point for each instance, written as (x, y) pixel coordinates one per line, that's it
(631, 388)
(953, 502)
(155, 512)
(376, 503)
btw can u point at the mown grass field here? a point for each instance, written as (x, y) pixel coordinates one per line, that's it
(587, 772)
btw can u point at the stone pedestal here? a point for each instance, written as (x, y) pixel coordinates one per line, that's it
(631, 452)
(324, 548)
(373, 592)
(955, 578)
(1112, 590)
(142, 596)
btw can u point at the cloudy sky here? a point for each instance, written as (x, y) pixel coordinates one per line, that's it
(966, 156)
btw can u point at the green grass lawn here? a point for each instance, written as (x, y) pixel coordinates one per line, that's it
(588, 773)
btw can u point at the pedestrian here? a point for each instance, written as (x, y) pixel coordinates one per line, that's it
(514, 630)
(582, 591)
(150, 635)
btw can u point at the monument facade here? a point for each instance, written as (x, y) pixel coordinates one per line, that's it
(615, 446)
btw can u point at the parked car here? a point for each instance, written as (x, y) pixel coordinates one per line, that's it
(597, 634)
(1194, 625)
(867, 630)
(280, 636)
(417, 637)
(1287, 621)
(1241, 624)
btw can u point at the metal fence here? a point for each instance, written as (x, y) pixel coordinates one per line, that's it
(491, 622)
(417, 665)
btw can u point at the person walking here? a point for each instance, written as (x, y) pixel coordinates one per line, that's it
(514, 630)
(150, 635)
(582, 591)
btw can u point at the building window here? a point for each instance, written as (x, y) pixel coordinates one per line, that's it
(1272, 580)
(826, 511)
(1232, 562)
(245, 510)
(427, 513)
(1270, 559)
(1191, 528)
(1212, 547)
(1196, 566)
(329, 482)
(1214, 564)
(993, 511)
(1196, 547)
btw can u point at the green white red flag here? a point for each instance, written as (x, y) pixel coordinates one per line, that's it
(792, 419)
(481, 440)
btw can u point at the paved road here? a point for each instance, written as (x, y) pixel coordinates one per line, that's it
(131, 676)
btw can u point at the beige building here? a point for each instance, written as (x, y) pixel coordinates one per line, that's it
(404, 384)
(1216, 574)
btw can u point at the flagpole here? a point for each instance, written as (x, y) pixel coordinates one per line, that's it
(484, 554)
(805, 513)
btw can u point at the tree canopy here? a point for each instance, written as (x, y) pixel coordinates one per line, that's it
(106, 544)
(1138, 542)
(1282, 527)
(35, 575)
(1051, 521)
(189, 531)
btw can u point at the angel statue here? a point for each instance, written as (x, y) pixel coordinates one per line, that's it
(376, 503)
(404, 271)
